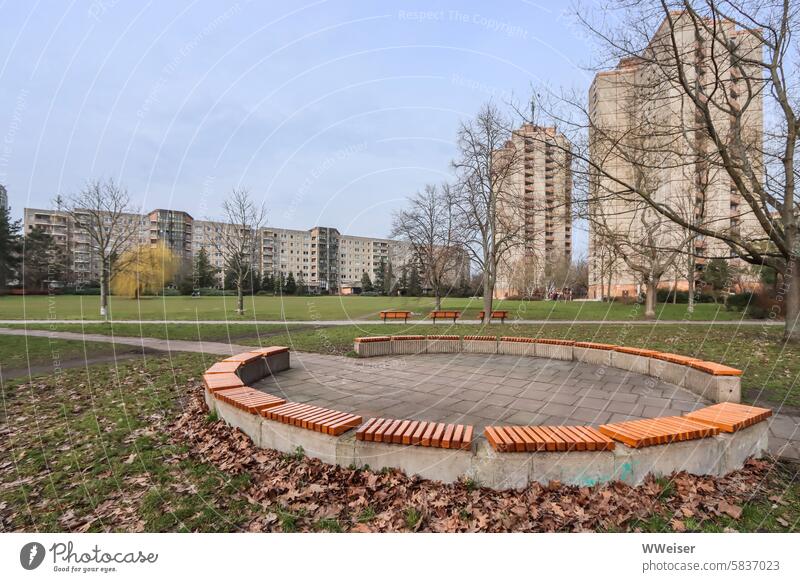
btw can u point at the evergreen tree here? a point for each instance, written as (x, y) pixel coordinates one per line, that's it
(388, 279)
(403, 283)
(278, 283)
(255, 281)
(380, 278)
(268, 282)
(10, 247)
(414, 285)
(302, 288)
(366, 283)
(205, 274)
(42, 260)
(290, 287)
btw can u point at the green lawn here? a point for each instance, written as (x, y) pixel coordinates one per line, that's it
(326, 308)
(18, 353)
(132, 448)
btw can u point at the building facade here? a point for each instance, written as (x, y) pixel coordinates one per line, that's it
(637, 110)
(3, 197)
(327, 261)
(541, 192)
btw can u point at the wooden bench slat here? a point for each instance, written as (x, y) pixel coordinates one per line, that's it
(540, 438)
(654, 431)
(730, 416)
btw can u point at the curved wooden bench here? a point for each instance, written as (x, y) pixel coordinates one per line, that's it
(657, 431)
(530, 439)
(416, 432)
(316, 418)
(729, 416)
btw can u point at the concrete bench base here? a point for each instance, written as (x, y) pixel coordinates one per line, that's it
(372, 349)
(507, 348)
(592, 356)
(716, 455)
(443, 346)
(479, 347)
(406, 347)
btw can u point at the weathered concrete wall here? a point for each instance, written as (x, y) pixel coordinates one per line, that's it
(443, 346)
(371, 349)
(553, 351)
(516, 348)
(479, 347)
(630, 362)
(592, 356)
(405, 347)
(714, 388)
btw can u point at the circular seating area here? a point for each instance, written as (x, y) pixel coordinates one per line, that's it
(712, 440)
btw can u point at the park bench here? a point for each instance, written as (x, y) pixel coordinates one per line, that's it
(442, 314)
(510, 439)
(416, 432)
(500, 314)
(310, 417)
(392, 314)
(657, 431)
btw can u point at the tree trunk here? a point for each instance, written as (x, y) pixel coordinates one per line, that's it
(791, 310)
(438, 299)
(488, 292)
(239, 298)
(104, 280)
(690, 282)
(650, 300)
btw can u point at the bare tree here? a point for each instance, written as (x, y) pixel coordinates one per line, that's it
(708, 74)
(102, 211)
(484, 194)
(430, 227)
(237, 239)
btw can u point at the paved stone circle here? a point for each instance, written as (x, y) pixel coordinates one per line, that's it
(478, 389)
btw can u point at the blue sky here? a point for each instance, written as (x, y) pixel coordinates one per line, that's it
(331, 112)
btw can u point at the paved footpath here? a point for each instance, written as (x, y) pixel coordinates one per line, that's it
(337, 322)
(308, 377)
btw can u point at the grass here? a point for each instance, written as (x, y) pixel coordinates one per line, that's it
(171, 331)
(17, 353)
(86, 307)
(89, 450)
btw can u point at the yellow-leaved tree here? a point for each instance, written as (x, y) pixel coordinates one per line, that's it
(147, 269)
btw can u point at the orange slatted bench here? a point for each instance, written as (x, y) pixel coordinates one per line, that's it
(221, 381)
(480, 338)
(516, 339)
(223, 368)
(675, 358)
(636, 351)
(595, 346)
(244, 358)
(657, 431)
(500, 314)
(407, 337)
(376, 338)
(391, 314)
(729, 416)
(509, 439)
(715, 369)
(442, 314)
(416, 432)
(248, 399)
(554, 342)
(312, 417)
(270, 351)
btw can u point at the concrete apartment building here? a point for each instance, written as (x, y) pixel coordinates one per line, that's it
(328, 260)
(541, 192)
(637, 94)
(3, 197)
